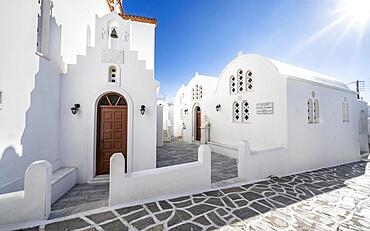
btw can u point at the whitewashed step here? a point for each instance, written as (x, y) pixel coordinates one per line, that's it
(228, 182)
(62, 180)
(100, 179)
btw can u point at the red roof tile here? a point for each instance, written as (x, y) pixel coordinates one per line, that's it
(130, 17)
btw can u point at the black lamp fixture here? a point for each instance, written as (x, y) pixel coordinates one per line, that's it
(75, 108)
(142, 109)
(218, 107)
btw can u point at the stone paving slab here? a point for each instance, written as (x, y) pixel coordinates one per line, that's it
(180, 152)
(336, 198)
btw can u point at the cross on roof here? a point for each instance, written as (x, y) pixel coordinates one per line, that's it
(112, 4)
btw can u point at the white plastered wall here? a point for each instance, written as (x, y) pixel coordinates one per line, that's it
(84, 83)
(263, 131)
(30, 85)
(329, 142)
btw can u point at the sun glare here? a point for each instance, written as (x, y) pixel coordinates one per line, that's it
(358, 11)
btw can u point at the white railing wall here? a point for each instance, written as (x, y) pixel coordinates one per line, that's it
(34, 203)
(160, 182)
(258, 165)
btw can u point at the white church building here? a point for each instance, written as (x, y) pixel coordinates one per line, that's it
(86, 89)
(317, 120)
(79, 104)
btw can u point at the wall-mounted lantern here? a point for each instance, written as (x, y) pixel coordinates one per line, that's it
(218, 107)
(75, 108)
(186, 111)
(142, 109)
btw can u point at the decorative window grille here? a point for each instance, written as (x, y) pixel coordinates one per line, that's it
(241, 82)
(316, 111)
(249, 80)
(310, 111)
(232, 85)
(246, 114)
(193, 94)
(236, 112)
(196, 92)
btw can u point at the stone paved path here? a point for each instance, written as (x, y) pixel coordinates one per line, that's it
(335, 198)
(179, 152)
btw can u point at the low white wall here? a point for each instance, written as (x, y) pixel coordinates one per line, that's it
(254, 166)
(258, 165)
(154, 183)
(34, 203)
(227, 150)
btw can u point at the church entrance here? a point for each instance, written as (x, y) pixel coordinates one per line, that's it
(112, 131)
(197, 123)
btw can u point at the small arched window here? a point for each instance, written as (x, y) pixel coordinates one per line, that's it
(344, 116)
(345, 111)
(232, 85)
(196, 92)
(310, 111)
(316, 111)
(114, 74)
(241, 81)
(236, 112)
(246, 114)
(249, 80)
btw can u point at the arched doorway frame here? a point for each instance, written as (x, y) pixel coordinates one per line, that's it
(129, 130)
(194, 120)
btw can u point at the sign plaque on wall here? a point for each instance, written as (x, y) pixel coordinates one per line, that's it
(265, 108)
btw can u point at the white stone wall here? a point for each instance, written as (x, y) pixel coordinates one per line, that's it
(329, 142)
(310, 145)
(30, 87)
(161, 182)
(34, 203)
(75, 33)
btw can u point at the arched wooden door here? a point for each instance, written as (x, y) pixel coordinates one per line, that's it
(112, 130)
(197, 123)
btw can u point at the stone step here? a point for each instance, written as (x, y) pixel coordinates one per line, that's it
(228, 182)
(100, 179)
(62, 180)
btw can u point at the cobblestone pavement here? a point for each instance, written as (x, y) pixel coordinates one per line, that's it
(179, 152)
(82, 197)
(336, 198)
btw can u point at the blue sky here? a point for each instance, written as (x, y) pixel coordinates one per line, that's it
(204, 35)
